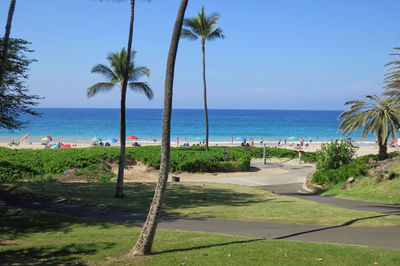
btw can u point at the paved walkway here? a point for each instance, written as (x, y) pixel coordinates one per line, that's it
(380, 237)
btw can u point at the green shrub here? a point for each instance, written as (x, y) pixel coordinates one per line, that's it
(334, 154)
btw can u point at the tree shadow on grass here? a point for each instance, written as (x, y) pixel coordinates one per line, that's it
(206, 246)
(332, 227)
(66, 255)
(138, 196)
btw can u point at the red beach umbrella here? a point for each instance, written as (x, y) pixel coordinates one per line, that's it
(65, 146)
(132, 137)
(24, 137)
(50, 138)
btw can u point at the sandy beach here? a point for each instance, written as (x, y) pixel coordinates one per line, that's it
(364, 147)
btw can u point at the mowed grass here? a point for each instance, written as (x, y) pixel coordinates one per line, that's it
(41, 238)
(367, 189)
(207, 200)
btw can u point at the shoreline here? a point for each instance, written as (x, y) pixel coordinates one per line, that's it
(365, 147)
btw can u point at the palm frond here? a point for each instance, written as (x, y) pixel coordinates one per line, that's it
(187, 34)
(99, 87)
(142, 87)
(105, 71)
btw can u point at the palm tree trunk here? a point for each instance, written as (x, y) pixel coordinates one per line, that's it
(6, 40)
(205, 89)
(382, 144)
(119, 193)
(145, 241)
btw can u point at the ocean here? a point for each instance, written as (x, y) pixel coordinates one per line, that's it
(81, 124)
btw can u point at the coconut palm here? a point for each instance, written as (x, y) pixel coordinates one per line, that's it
(121, 166)
(115, 74)
(393, 77)
(145, 241)
(377, 115)
(6, 40)
(203, 27)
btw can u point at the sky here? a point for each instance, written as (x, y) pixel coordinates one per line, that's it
(287, 54)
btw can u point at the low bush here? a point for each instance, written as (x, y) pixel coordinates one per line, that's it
(27, 164)
(334, 154)
(359, 167)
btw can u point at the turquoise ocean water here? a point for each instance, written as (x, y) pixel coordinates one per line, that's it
(81, 124)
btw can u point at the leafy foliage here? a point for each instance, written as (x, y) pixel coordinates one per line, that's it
(27, 164)
(358, 167)
(334, 154)
(14, 98)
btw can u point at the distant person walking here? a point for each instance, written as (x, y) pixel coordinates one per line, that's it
(300, 156)
(177, 142)
(231, 140)
(261, 142)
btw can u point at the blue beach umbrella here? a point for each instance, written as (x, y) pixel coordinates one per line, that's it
(241, 138)
(54, 146)
(112, 141)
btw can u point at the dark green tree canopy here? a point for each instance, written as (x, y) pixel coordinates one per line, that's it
(14, 98)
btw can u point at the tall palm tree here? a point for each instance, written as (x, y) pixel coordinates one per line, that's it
(393, 77)
(5, 42)
(115, 73)
(378, 115)
(121, 166)
(145, 241)
(203, 27)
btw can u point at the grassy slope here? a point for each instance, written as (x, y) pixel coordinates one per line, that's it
(367, 189)
(207, 200)
(56, 239)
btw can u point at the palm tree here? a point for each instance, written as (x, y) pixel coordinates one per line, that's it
(5, 42)
(205, 28)
(393, 77)
(378, 115)
(115, 75)
(145, 241)
(121, 166)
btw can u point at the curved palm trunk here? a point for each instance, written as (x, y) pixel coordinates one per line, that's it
(119, 193)
(145, 241)
(205, 89)
(6, 40)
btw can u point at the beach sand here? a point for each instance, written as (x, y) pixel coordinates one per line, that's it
(364, 149)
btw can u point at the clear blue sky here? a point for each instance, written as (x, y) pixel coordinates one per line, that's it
(285, 54)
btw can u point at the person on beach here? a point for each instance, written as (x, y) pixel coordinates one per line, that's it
(300, 156)
(284, 141)
(232, 140)
(252, 142)
(279, 142)
(310, 140)
(177, 142)
(261, 142)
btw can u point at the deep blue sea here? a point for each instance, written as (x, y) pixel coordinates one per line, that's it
(81, 124)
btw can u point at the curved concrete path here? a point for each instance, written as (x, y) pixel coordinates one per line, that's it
(380, 237)
(290, 183)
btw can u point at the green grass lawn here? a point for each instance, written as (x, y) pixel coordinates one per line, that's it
(367, 189)
(41, 238)
(207, 200)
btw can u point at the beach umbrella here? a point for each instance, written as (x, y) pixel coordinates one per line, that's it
(46, 139)
(132, 137)
(54, 146)
(65, 146)
(96, 139)
(24, 137)
(241, 138)
(293, 138)
(112, 141)
(50, 138)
